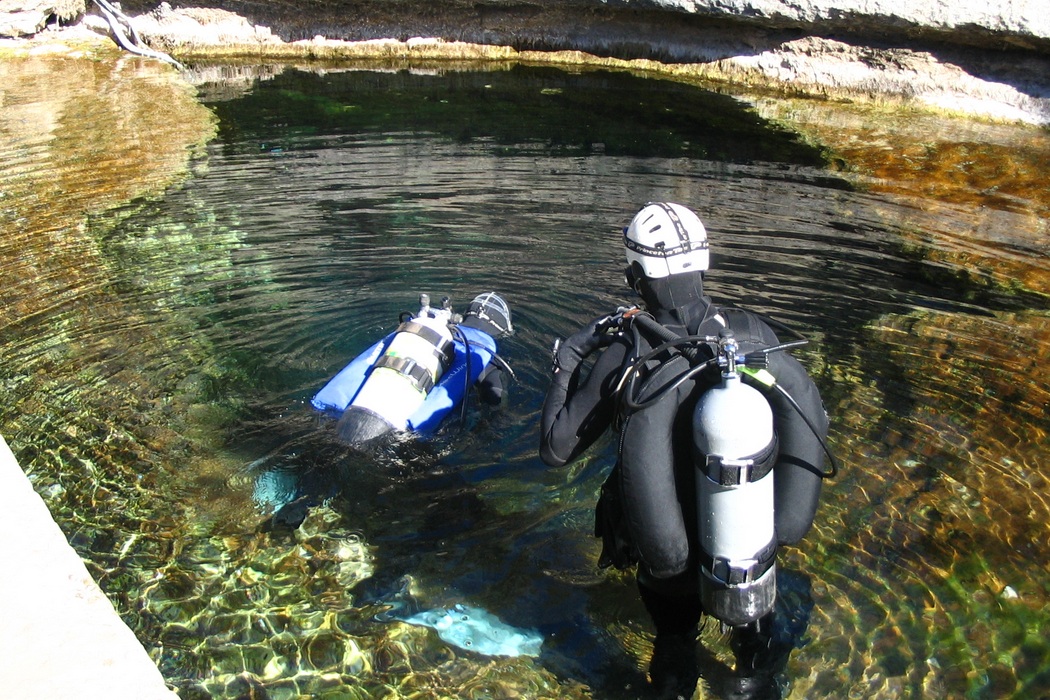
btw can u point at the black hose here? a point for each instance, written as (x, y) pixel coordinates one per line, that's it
(457, 331)
(689, 346)
(673, 340)
(658, 395)
(467, 344)
(503, 365)
(664, 333)
(823, 443)
(760, 357)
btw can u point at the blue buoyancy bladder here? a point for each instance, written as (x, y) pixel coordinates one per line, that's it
(396, 379)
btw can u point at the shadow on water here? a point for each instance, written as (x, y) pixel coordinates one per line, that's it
(184, 366)
(569, 114)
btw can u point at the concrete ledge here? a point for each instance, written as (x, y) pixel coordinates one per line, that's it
(61, 636)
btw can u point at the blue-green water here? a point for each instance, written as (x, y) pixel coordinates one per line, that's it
(147, 405)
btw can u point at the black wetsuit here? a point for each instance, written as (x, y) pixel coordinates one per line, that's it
(580, 406)
(492, 382)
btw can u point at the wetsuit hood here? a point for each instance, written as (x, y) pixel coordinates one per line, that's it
(676, 299)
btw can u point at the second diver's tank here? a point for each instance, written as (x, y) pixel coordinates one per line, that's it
(418, 355)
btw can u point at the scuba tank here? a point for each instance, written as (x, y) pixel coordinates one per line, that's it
(735, 448)
(419, 353)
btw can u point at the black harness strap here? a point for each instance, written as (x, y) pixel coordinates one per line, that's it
(444, 348)
(736, 472)
(420, 376)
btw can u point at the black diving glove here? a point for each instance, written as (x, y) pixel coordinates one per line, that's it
(569, 353)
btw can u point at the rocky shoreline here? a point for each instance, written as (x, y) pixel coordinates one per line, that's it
(1000, 74)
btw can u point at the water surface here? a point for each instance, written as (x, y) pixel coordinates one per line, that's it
(158, 383)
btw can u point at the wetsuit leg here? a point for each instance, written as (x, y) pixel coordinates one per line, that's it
(675, 610)
(673, 604)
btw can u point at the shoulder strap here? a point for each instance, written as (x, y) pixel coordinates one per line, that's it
(745, 325)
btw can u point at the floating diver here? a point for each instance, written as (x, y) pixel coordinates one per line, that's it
(722, 440)
(405, 384)
(417, 375)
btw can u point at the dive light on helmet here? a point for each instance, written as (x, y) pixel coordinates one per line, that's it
(734, 449)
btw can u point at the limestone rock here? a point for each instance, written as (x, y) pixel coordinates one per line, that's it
(1016, 17)
(27, 17)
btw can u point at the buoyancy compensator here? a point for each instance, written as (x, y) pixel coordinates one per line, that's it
(735, 450)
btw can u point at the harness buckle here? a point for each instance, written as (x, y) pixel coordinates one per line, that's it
(728, 472)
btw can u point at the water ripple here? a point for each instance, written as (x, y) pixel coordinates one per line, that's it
(175, 344)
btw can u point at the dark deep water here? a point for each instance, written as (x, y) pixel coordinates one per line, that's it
(327, 204)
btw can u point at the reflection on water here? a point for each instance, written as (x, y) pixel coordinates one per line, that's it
(975, 194)
(169, 365)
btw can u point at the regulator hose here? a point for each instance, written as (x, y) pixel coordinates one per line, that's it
(833, 472)
(458, 332)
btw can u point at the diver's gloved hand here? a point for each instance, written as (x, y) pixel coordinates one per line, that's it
(569, 353)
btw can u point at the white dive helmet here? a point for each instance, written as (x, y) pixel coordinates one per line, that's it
(666, 239)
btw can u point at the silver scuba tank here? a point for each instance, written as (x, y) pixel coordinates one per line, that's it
(735, 448)
(418, 355)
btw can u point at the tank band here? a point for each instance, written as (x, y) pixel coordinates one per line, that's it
(444, 348)
(431, 335)
(420, 375)
(740, 572)
(736, 472)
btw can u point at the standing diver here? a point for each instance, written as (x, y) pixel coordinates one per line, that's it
(721, 442)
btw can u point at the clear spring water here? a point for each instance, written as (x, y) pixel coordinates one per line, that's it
(170, 364)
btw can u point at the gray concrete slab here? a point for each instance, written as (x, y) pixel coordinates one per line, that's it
(60, 636)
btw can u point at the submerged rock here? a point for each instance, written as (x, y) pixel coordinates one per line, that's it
(477, 630)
